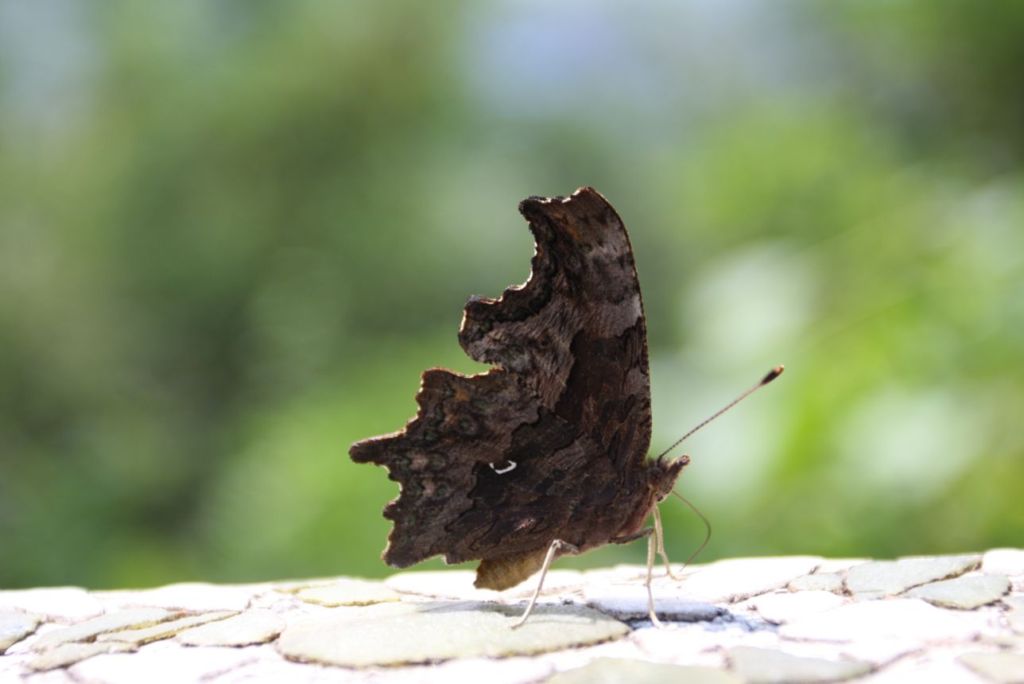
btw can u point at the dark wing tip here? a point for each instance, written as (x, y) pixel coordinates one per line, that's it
(365, 450)
(535, 205)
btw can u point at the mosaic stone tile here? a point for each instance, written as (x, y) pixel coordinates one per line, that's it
(111, 622)
(768, 666)
(888, 578)
(964, 593)
(59, 603)
(348, 592)
(71, 653)
(15, 626)
(892, 619)
(164, 630)
(250, 627)
(787, 606)
(1003, 562)
(403, 633)
(1002, 666)
(819, 581)
(163, 663)
(737, 579)
(642, 672)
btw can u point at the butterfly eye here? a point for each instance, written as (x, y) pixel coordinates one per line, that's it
(506, 466)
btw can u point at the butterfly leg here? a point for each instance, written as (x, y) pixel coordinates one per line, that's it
(652, 545)
(556, 546)
(659, 535)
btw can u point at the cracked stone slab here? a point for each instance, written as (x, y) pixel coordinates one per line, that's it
(888, 578)
(769, 666)
(164, 630)
(880, 652)
(281, 603)
(59, 603)
(193, 597)
(402, 633)
(939, 664)
(164, 663)
(69, 653)
(348, 592)
(964, 593)
(694, 643)
(251, 627)
(629, 601)
(839, 565)
(32, 677)
(819, 581)
(458, 584)
(738, 579)
(15, 626)
(1003, 562)
(610, 670)
(781, 607)
(111, 622)
(46, 677)
(281, 671)
(515, 670)
(893, 619)
(1002, 666)
(1015, 613)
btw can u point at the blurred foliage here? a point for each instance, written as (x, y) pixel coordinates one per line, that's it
(233, 234)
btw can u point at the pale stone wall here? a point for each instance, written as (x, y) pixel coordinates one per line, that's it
(792, 619)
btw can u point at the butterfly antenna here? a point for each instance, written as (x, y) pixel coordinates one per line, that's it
(771, 375)
(704, 519)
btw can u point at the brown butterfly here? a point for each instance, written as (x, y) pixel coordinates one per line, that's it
(546, 452)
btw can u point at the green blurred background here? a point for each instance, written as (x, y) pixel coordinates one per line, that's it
(232, 234)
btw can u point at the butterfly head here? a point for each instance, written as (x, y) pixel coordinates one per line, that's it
(663, 473)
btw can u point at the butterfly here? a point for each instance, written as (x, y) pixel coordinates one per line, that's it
(546, 452)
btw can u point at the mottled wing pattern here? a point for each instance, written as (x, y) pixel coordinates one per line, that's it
(554, 436)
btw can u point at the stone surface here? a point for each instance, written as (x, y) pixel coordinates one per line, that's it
(964, 593)
(614, 671)
(250, 627)
(348, 592)
(736, 579)
(888, 578)
(70, 653)
(768, 619)
(787, 606)
(766, 666)
(402, 633)
(111, 622)
(1002, 666)
(1003, 562)
(819, 581)
(15, 626)
(164, 630)
(893, 619)
(62, 603)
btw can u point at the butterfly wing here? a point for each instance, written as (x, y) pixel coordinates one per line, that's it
(551, 442)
